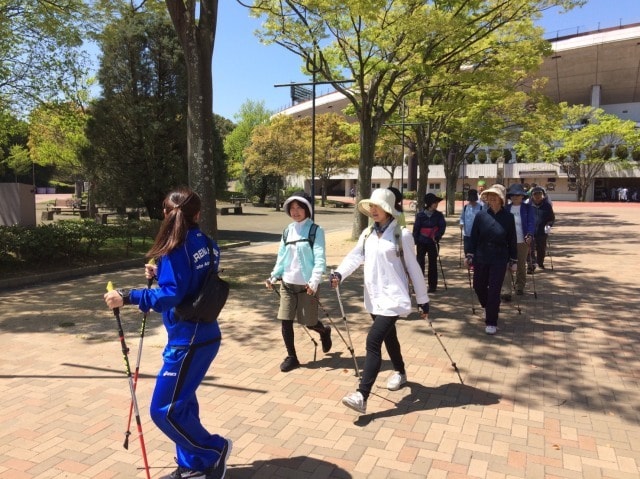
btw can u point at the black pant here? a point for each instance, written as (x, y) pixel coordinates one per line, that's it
(382, 330)
(541, 249)
(430, 250)
(487, 283)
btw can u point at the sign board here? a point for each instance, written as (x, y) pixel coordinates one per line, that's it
(299, 94)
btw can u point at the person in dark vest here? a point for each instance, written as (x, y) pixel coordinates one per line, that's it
(428, 229)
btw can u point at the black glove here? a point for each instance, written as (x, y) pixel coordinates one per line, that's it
(424, 308)
(335, 275)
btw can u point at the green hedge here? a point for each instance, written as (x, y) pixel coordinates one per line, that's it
(51, 243)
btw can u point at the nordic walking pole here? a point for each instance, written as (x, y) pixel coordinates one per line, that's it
(453, 363)
(473, 302)
(348, 345)
(125, 355)
(315, 344)
(346, 325)
(513, 288)
(444, 280)
(549, 251)
(460, 255)
(533, 275)
(137, 370)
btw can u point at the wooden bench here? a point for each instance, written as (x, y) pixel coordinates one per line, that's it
(238, 200)
(68, 205)
(103, 216)
(228, 210)
(339, 204)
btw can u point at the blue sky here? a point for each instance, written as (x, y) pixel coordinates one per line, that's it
(244, 69)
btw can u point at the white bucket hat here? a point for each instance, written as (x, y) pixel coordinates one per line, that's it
(382, 198)
(497, 189)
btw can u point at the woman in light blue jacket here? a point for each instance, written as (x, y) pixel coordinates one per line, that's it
(300, 265)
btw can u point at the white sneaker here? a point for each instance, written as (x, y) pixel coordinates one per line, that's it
(396, 381)
(356, 402)
(491, 330)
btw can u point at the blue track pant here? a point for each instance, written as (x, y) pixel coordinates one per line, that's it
(174, 406)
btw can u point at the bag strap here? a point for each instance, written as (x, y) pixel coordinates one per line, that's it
(311, 239)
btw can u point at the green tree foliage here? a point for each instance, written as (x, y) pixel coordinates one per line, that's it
(57, 138)
(13, 146)
(138, 128)
(276, 150)
(40, 51)
(588, 140)
(251, 114)
(388, 47)
(336, 148)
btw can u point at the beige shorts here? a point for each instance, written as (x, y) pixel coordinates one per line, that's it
(295, 303)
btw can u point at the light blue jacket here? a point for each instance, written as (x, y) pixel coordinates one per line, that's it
(313, 262)
(468, 214)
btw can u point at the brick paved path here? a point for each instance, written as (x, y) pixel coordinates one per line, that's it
(554, 395)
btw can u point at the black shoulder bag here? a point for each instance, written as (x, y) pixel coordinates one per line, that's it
(210, 300)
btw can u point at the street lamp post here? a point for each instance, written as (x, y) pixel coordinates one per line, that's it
(313, 84)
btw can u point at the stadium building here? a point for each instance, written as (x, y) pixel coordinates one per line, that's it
(598, 68)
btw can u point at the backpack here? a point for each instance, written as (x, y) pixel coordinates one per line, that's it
(311, 239)
(210, 300)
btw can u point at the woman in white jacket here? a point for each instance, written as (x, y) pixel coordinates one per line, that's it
(387, 253)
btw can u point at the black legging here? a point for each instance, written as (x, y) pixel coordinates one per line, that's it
(430, 250)
(288, 335)
(382, 330)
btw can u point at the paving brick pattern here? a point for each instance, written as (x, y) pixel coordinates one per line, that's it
(555, 394)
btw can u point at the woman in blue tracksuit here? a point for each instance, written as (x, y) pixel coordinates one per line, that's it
(184, 255)
(492, 247)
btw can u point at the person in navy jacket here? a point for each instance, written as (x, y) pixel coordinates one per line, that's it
(492, 248)
(525, 218)
(544, 219)
(184, 255)
(428, 228)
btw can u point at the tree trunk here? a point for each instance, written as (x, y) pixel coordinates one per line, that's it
(197, 36)
(367, 148)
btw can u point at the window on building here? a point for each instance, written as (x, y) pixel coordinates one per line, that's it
(375, 186)
(434, 186)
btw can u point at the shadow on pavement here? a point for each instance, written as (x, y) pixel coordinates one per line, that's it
(299, 466)
(423, 398)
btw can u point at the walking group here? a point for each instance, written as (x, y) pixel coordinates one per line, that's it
(499, 240)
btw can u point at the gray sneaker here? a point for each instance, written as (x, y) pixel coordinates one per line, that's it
(396, 381)
(356, 402)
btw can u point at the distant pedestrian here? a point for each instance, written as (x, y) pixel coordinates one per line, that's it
(398, 205)
(469, 213)
(428, 228)
(300, 264)
(352, 192)
(492, 248)
(386, 290)
(525, 220)
(545, 219)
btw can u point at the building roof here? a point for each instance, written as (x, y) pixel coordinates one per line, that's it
(609, 57)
